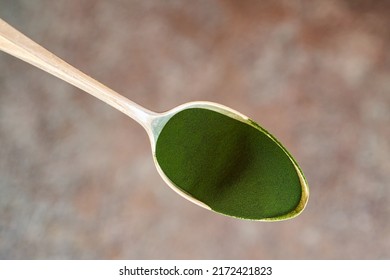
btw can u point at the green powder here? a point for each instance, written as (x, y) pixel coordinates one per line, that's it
(233, 167)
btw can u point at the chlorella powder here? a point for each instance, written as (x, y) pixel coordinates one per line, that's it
(229, 165)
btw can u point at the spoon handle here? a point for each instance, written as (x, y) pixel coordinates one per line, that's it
(18, 45)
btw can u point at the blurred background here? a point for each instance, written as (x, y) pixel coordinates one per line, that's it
(77, 179)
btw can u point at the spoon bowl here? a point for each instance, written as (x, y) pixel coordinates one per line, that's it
(251, 177)
(208, 153)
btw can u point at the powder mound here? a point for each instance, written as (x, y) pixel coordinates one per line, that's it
(232, 166)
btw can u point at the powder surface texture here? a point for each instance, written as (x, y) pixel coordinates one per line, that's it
(231, 166)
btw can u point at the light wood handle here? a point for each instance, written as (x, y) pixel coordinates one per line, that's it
(18, 45)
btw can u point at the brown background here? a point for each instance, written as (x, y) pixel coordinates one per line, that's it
(77, 178)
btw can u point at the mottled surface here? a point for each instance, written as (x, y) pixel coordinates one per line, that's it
(77, 179)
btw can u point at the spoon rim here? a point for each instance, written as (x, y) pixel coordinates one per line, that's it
(160, 120)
